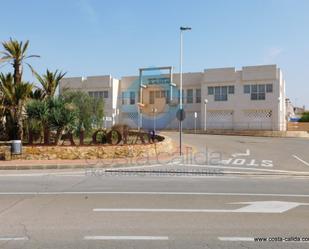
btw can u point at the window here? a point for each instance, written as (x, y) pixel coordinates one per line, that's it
(158, 94)
(261, 88)
(132, 98)
(269, 88)
(151, 97)
(231, 89)
(198, 96)
(210, 90)
(221, 93)
(99, 94)
(257, 92)
(246, 88)
(189, 96)
(163, 94)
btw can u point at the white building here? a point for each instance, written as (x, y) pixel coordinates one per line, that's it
(251, 98)
(105, 87)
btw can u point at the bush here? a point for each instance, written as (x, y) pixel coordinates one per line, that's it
(305, 117)
(62, 116)
(89, 110)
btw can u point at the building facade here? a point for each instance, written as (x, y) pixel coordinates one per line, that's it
(222, 98)
(105, 87)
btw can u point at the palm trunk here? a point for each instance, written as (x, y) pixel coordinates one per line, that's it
(17, 72)
(46, 134)
(20, 129)
(30, 136)
(58, 135)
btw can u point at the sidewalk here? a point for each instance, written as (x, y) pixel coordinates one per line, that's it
(253, 133)
(82, 163)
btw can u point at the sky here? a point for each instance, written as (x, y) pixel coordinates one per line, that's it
(100, 37)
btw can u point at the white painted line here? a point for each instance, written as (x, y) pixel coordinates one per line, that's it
(244, 168)
(153, 193)
(301, 160)
(133, 167)
(125, 238)
(161, 210)
(251, 239)
(267, 207)
(242, 154)
(13, 238)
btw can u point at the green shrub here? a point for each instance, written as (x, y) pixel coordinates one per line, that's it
(305, 117)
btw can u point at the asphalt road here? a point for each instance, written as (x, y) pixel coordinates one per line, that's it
(158, 207)
(290, 154)
(72, 210)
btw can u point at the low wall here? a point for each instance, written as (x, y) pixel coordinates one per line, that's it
(298, 126)
(90, 152)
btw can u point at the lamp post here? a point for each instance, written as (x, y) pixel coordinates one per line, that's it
(182, 29)
(117, 115)
(195, 117)
(205, 114)
(154, 110)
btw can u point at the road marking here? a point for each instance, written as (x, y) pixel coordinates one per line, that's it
(301, 160)
(125, 238)
(251, 239)
(267, 206)
(252, 207)
(13, 238)
(244, 168)
(242, 154)
(152, 193)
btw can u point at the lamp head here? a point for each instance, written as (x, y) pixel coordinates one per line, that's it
(185, 28)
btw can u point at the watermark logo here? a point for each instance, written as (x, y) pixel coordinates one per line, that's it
(151, 101)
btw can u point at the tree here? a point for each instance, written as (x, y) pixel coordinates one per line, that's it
(2, 128)
(49, 82)
(88, 108)
(62, 116)
(37, 112)
(37, 94)
(305, 117)
(16, 53)
(14, 99)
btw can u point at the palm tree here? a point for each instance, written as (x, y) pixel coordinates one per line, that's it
(2, 128)
(16, 53)
(37, 119)
(37, 94)
(14, 98)
(49, 81)
(62, 116)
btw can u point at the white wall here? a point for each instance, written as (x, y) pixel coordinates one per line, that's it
(239, 112)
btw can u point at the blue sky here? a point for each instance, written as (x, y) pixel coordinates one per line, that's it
(97, 37)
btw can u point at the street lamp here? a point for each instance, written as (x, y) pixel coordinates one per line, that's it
(182, 29)
(205, 113)
(154, 110)
(195, 117)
